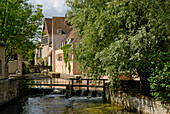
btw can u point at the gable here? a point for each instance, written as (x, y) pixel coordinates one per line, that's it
(59, 23)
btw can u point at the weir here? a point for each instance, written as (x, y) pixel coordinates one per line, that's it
(75, 87)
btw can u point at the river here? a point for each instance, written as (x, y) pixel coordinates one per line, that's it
(58, 104)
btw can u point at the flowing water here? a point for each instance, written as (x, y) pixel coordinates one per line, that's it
(58, 104)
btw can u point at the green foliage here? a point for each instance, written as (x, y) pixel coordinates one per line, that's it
(51, 68)
(19, 26)
(30, 55)
(46, 61)
(43, 33)
(69, 66)
(25, 68)
(40, 61)
(160, 78)
(23, 88)
(65, 49)
(119, 36)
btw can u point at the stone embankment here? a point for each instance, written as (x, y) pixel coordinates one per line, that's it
(137, 102)
(9, 90)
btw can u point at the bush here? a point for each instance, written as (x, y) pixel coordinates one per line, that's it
(51, 68)
(160, 79)
(25, 68)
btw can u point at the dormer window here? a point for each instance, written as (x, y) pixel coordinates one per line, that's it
(59, 31)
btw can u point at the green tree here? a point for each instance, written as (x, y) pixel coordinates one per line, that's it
(119, 36)
(160, 77)
(30, 55)
(19, 26)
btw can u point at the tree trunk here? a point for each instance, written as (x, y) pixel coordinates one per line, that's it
(144, 83)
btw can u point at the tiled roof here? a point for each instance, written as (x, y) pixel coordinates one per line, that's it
(59, 23)
(58, 39)
(49, 25)
(72, 34)
(68, 35)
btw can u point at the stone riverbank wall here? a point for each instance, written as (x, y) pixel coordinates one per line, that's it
(140, 103)
(9, 90)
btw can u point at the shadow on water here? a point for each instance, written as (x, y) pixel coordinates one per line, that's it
(58, 104)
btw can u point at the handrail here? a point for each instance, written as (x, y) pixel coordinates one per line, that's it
(79, 85)
(85, 79)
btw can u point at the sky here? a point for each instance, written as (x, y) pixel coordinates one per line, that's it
(52, 8)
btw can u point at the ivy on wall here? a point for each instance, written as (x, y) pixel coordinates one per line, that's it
(65, 49)
(40, 60)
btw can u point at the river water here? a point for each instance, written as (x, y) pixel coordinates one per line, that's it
(58, 104)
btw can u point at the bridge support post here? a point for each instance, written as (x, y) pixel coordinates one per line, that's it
(72, 89)
(87, 85)
(104, 90)
(51, 81)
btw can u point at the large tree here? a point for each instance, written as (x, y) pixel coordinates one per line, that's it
(19, 26)
(120, 36)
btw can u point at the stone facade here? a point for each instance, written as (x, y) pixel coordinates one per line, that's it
(12, 66)
(140, 103)
(44, 48)
(58, 33)
(58, 23)
(9, 90)
(60, 66)
(56, 39)
(15, 66)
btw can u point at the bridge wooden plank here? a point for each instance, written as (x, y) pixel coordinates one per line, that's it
(49, 84)
(65, 85)
(87, 86)
(85, 79)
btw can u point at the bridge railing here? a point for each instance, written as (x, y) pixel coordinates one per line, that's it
(88, 83)
(75, 84)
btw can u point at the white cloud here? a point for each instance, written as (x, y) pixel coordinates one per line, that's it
(52, 8)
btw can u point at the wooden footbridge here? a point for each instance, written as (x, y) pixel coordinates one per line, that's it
(73, 83)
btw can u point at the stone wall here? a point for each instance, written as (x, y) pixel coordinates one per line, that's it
(140, 103)
(2, 66)
(12, 66)
(9, 90)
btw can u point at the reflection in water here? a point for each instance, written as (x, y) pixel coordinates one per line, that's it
(58, 104)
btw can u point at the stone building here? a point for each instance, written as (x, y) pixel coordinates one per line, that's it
(60, 31)
(15, 66)
(60, 66)
(57, 33)
(44, 50)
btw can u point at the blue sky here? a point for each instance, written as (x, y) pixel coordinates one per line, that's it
(52, 8)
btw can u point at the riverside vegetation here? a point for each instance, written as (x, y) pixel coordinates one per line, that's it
(129, 36)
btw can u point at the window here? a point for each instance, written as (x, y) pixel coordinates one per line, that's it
(0, 67)
(59, 58)
(59, 31)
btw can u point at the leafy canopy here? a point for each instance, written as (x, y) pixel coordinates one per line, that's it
(160, 77)
(19, 26)
(119, 35)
